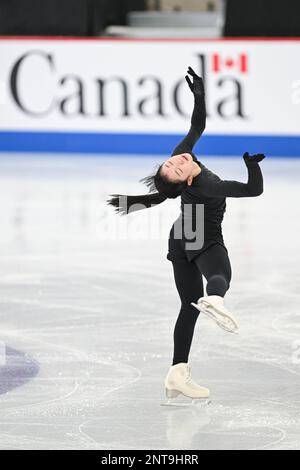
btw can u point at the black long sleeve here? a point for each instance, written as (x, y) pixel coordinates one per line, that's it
(210, 185)
(198, 124)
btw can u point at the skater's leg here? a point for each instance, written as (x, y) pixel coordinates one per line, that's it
(188, 280)
(214, 264)
(178, 381)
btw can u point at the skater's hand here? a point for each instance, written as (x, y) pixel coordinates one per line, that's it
(197, 85)
(253, 158)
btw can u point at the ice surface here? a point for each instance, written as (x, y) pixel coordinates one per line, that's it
(87, 321)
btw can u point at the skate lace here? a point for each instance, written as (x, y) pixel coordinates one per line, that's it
(188, 378)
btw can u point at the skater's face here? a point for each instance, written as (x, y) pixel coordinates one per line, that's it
(179, 168)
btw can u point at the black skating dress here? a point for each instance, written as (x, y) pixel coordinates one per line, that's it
(207, 189)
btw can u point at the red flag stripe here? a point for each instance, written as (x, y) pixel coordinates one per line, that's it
(216, 63)
(244, 63)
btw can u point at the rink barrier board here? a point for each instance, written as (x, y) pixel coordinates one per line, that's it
(262, 134)
(145, 144)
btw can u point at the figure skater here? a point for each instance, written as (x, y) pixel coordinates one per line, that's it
(183, 175)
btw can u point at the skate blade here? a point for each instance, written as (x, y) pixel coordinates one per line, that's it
(228, 324)
(178, 399)
(196, 402)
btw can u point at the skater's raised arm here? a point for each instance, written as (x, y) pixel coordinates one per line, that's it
(198, 121)
(213, 186)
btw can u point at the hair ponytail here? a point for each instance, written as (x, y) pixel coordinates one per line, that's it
(165, 190)
(126, 204)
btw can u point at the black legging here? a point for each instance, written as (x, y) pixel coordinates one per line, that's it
(214, 265)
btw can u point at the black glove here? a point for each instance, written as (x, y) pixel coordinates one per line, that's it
(253, 158)
(197, 85)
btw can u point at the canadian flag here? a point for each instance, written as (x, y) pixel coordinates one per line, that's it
(220, 63)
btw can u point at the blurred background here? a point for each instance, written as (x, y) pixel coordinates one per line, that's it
(147, 17)
(92, 99)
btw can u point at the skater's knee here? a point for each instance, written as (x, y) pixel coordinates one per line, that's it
(219, 280)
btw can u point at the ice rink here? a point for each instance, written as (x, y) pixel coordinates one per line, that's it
(88, 306)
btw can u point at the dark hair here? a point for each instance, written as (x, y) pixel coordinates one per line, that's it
(156, 182)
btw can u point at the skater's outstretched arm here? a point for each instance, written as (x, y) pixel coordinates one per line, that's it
(212, 186)
(198, 121)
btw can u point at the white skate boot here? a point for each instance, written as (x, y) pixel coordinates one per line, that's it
(179, 382)
(213, 307)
